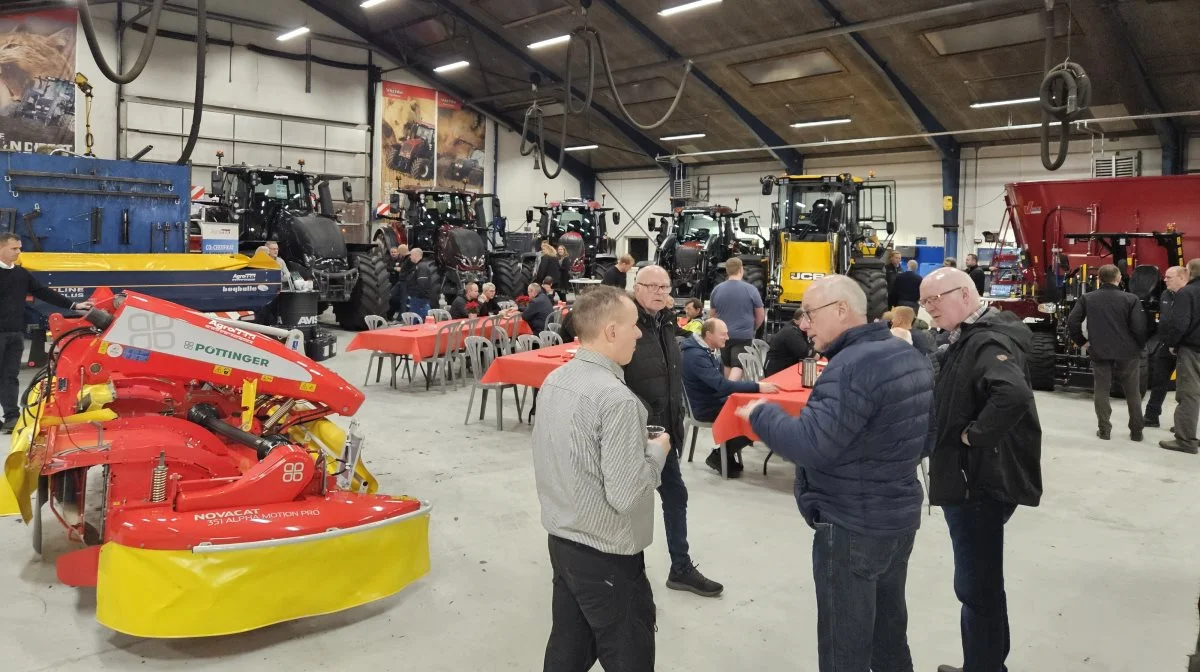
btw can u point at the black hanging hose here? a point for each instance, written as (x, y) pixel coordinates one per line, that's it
(1065, 96)
(201, 57)
(89, 31)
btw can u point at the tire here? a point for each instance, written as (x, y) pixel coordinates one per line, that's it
(601, 266)
(755, 274)
(422, 169)
(370, 295)
(1041, 360)
(508, 276)
(386, 237)
(874, 284)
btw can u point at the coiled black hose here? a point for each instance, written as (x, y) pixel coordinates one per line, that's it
(1066, 94)
(89, 31)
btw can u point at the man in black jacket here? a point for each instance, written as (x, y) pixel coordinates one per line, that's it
(977, 275)
(788, 347)
(1181, 331)
(15, 284)
(906, 288)
(656, 375)
(615, 276)
(418, 277)
(986, 453)
(1116, 332)
(892, 268)
(537, 310)
(1162, 360)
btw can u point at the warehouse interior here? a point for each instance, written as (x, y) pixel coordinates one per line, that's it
(489, 104)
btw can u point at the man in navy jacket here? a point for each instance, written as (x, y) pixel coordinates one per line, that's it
(856, 446)
(707, 388)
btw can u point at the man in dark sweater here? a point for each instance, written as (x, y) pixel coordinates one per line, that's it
(615, 276)
(1116, 332)
(1162, 360)
(458, 309)
(906, 288)
(15, 284)
(788, 347)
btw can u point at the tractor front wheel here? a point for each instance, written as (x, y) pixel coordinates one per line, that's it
(422, 169)
(874, 285)
(371, 292)
(1042, 360)
(508, 276)
(755, 274)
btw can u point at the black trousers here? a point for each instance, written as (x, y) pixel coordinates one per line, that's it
(1162, 364)
(12, 347)
(603, 609)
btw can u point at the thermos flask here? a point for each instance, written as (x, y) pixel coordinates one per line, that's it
(808, 375)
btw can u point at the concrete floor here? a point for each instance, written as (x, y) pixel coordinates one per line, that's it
(1102, 577)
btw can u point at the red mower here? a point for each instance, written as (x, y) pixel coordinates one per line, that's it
(229, 501)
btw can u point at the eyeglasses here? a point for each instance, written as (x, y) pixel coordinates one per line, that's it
(655, 288)
(806, 313)
(936, 298)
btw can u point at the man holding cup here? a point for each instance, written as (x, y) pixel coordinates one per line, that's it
(595, 481)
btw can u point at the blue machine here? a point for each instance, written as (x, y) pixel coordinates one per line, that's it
(66, 204)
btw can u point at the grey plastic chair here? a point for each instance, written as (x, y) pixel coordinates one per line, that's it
(411, 319)
(504, 344)
(373, 323)
(556, 327)
(446, 342)
(762, 347)
(752, 367)
(549, 338)
(481, 352)
(440, 314)
(696, 425)
(555, 317)
(527, 342)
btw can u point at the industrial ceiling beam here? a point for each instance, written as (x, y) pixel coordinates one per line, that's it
(649, 147)
(574, 167)
(946, 145)
(792, 160)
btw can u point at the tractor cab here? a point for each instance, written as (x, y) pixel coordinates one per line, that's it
(695, 242)
(824, 225)
(581, 227)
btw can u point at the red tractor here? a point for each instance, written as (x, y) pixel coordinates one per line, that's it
(1066, 230)
(413, 154)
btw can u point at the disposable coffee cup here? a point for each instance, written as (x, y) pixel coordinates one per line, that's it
(654, 431)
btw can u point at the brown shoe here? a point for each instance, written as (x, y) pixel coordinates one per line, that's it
(1178, 447)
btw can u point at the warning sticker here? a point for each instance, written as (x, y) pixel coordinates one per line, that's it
(222, 370)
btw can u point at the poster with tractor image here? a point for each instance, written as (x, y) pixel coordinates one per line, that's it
(37, 80)
(409, 136)
(461, 137)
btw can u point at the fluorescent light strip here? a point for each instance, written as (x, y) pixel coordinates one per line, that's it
(1002, 103)
(293, 33)
(582, 148)
(685, 136)
(371, 3)
(696, 4)
(821, 122)
(550, 42)
(457, 65)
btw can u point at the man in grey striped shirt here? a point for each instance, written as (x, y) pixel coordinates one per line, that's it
(596, 472)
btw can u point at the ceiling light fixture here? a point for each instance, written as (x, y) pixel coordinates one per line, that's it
(685, 136)
(550, 42)
(821, 122)
(371, 3)
(293, 33)
(1002, 103)
(457, 65)
(695, 4)
(582, 148)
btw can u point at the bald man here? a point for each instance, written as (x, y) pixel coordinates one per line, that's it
(986, 453)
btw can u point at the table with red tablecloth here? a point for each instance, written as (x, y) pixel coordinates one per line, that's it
(792, 397)
(529, 368)
(417, 341)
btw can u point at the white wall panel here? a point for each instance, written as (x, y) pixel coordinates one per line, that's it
(299, 134)
(347, 139)
(166, 147)
(260, 155)
(346, 164)
(257, 129)
(154, 118)
(213, 124)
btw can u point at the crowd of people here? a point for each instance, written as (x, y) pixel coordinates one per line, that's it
(875, 411)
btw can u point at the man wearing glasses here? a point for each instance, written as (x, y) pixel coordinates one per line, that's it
(986, 453)
(856, 446)
(655, 374)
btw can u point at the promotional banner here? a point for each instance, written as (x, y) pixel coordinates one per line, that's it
(37, 81)
(409, 137)
(462, 135)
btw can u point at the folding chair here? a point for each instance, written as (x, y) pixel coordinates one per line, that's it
(481, 353)
(689, 419)
(446, 341)
(440, 314)
(752, 366)
(527, 342)
(549, 338)
(762, 347)
(375, 322)
(410, 319)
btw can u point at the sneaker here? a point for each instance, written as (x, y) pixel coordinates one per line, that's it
(1135, 435)
(693, 581)
(8, 426)
(1106, 435)
(714, 462)
(1178, 447)
(949, 668)
(1151, 421)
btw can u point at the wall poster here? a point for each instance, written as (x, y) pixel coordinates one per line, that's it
(37, 81)
(409, 136)
(461, 136)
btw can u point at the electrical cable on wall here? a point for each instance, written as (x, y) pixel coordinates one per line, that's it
(593, 42)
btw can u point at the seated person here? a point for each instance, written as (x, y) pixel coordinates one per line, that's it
(548, 287)
(536, 311)
(567, 331)
(788, 347)
(488, 303)
(707, 387)
(693, 310)
(458, 309)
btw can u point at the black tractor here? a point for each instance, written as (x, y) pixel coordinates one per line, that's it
(695, 242)
(282, 204)
(461, 234)
(581, 227)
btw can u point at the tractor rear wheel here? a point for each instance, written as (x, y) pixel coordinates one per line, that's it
(874, 285)
(371, 292)
(508, 276)
(1041, 360)
(755, 274)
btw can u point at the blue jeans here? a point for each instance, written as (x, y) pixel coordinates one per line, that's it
(418, 305)
(862, 617)
(674, 496)
(977, 535)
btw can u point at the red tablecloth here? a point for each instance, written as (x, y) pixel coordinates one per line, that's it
(416, 341)
(528, 368)
(791, 397)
